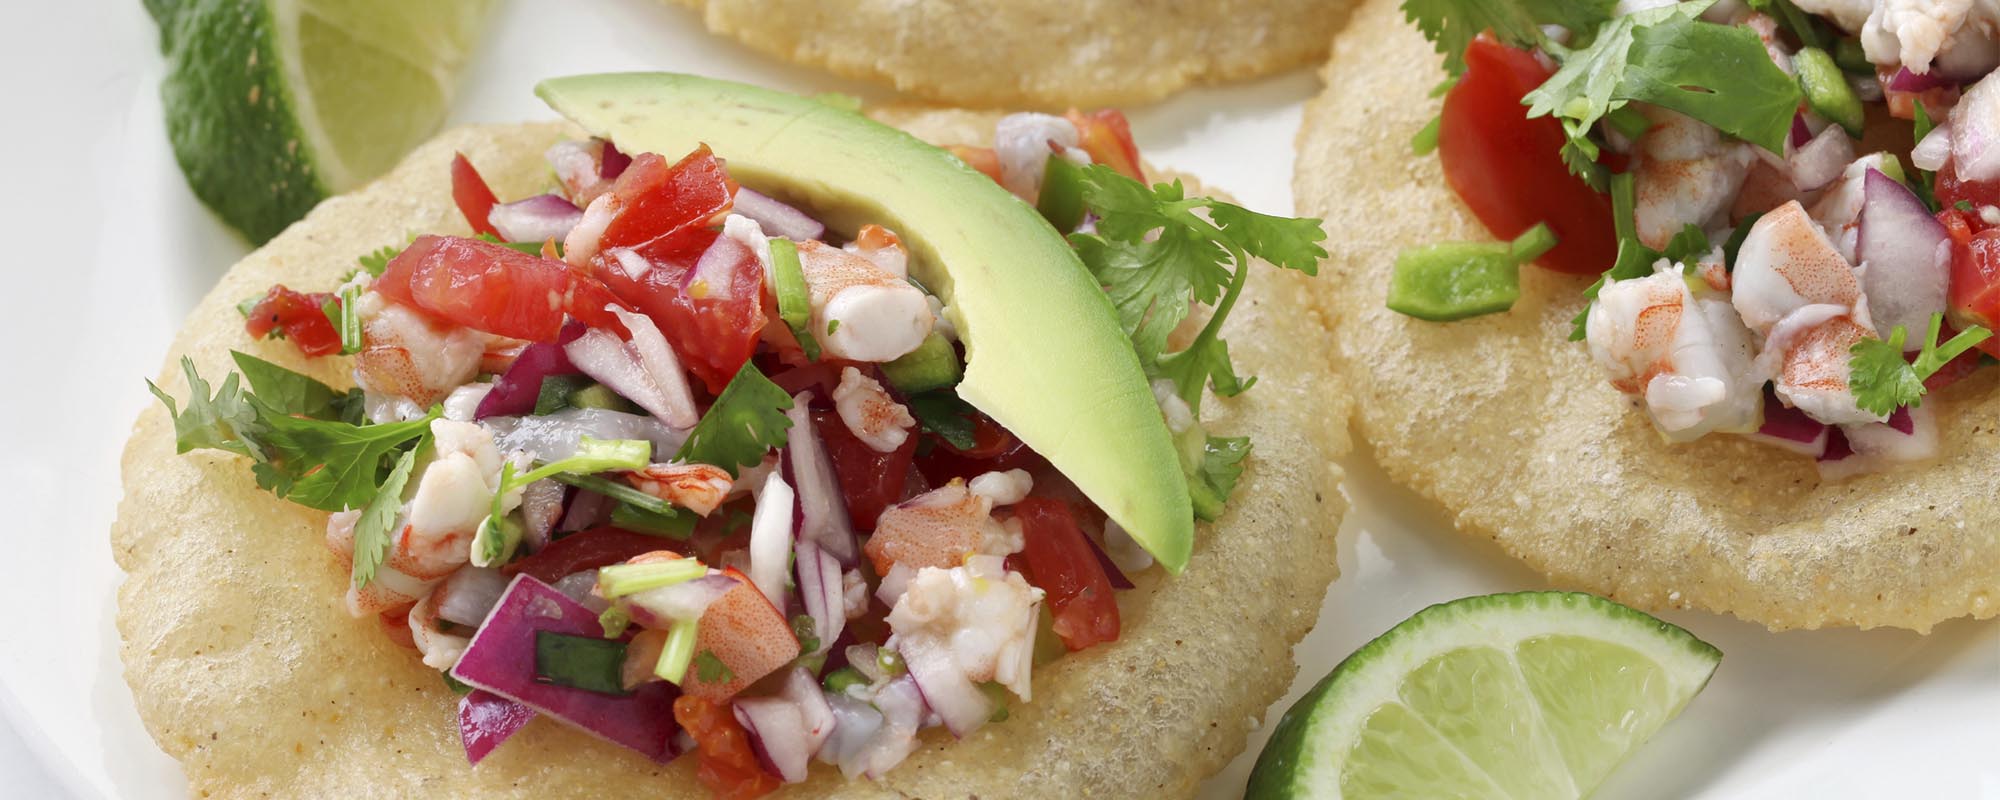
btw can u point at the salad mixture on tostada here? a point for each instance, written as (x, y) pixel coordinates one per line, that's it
(1790, 204)
(672, 461)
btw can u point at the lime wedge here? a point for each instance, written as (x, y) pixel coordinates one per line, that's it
(272, 106)
(1529, 695)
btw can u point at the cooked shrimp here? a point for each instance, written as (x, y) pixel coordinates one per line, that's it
(1685, 173)
(440, 650)
(980, 613)
(882, 246)
(867, 409)
(434, 536)
(404, 354)
(1787, 263)
(695, 487)
(934, 529)
(860, 311)
(1807, 359)
(1688, 358)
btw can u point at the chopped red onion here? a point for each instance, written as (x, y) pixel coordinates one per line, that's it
(771, 539)
(1111, 570)
(1908, 256)
(1801, 133)
(535, 219)
(515, 391)
(822, 592)
(662, 366)
(578, 586)
(1906, 81)
(607, 360)
(613, 163)
(485, 720)
(1822, 160)
(1902, 421)
(467, 596)
(586, 510)
(501, 659)
(1933, 150)
(1791, 429)
(822, 506)
(777, 218)
(855, 725)
(542, 506)
(788, 729)
(903, 712)
(718, 263)
(955, 698)
(1975, 126)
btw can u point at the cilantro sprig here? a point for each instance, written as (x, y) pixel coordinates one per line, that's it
(746, 421)
(1882, 381)
(1451, 24)
(1158, 253)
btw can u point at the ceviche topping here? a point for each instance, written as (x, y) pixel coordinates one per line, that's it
(1777, 256)
(671, 461)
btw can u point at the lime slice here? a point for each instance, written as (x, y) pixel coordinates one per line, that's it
(272, 106)
(1530, 695)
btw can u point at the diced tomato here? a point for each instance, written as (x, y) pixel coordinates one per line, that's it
(1062, 563)
(1951, 190)
(869, 480)
(1509, 170)
(475, 199)
(993, 449)
(493, 288)
(1975, 274)
(653, 199)
(724, 761)
(584, 550)
(1107, 137)
(300, 317)
(979, 158)
(713, 321)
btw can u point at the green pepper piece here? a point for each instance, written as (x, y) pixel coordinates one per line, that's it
(1848, 54)
(1455, 280)
(598, 395)
(1061, 200)
(1827, 91)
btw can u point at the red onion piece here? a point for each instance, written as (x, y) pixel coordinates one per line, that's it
(586, 510)
(1111, 570)
(467, 596)
(515, 391)
(1906, 81)
(609, 361)
(1902, 421)
(535, 219)
(579, 586)
(1837, 447)
(1934, 150)
(777, 218)
(501, 660)
(1822, 160)
(1791, 429)
(1975, 130)
(822, 506)
(613, 163)
(485, 720)
(788, 729)
(946, 689)
(1908, 255)
(902, 705)
(771, 537)
(662, 366)
(542, 506)
(822, 592)
(855, 724)
(1800, 132)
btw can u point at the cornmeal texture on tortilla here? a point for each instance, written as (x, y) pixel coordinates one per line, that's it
(1035, 53)
(1518, 434)
(246, 668)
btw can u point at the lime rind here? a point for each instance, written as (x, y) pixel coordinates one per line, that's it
(1309, 752)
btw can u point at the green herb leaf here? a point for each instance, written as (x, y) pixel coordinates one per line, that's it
(675, 525)
(580, 662)
(225, 421)
(294, 394)
(802, 630)
(377, 262)
(746, 421)
(1882, 381)
(1215, 478)
(330, 465)
(941, 412)
(378, 517)
(1451, 24)
(1718, 74)
(616, 491)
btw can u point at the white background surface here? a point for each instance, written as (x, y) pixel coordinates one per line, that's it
(108, 250)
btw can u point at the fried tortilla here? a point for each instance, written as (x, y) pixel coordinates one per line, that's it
(1035, 53)
(246, 668)
(1518, 434)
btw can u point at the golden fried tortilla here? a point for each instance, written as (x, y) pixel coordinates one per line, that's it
(246, 668)
(1035, 53)
(1518, 434)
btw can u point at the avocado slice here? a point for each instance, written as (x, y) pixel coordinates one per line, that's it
(1044, 354)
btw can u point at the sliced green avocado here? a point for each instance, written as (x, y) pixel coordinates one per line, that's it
(1044, 354)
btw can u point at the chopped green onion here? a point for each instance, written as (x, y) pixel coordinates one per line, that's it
(1426, 139)
(802, 630)
(674, 525)
(593, 455)
(788, 280)
(619, 580)
(676, 654)
(580, 662)
(616, 491)
(839, 680)
(889, 660)
(494, 541)
(341, 312)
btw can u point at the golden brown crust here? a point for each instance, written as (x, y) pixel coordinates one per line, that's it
(1035, 53)
(246, 669)
(1518, 434)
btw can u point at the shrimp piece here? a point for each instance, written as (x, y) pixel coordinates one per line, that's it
(747, 634)
(1838, 209)
(882, 246)
(434, 537)
(980, 613)
(1807, 359)
(935, 529)
(406, 355)
(1684, 173)
(695, 487)
(860, 311)
(867, 409)
(440, 650)
(1688, 358)
(1785, 264)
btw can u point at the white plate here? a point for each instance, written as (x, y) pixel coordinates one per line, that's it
(108, 250)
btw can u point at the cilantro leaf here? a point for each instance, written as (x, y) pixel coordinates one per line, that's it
(293, 394)
(941, 412)
(1718, 74)
(1151, 283)
(1882, 381)
(330, 465)
(1451, 24)
(711, 669)
(746, 421)
(225, 421)
(371, 530)
(1289, 242)
(377, 262)
(1215, 477)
